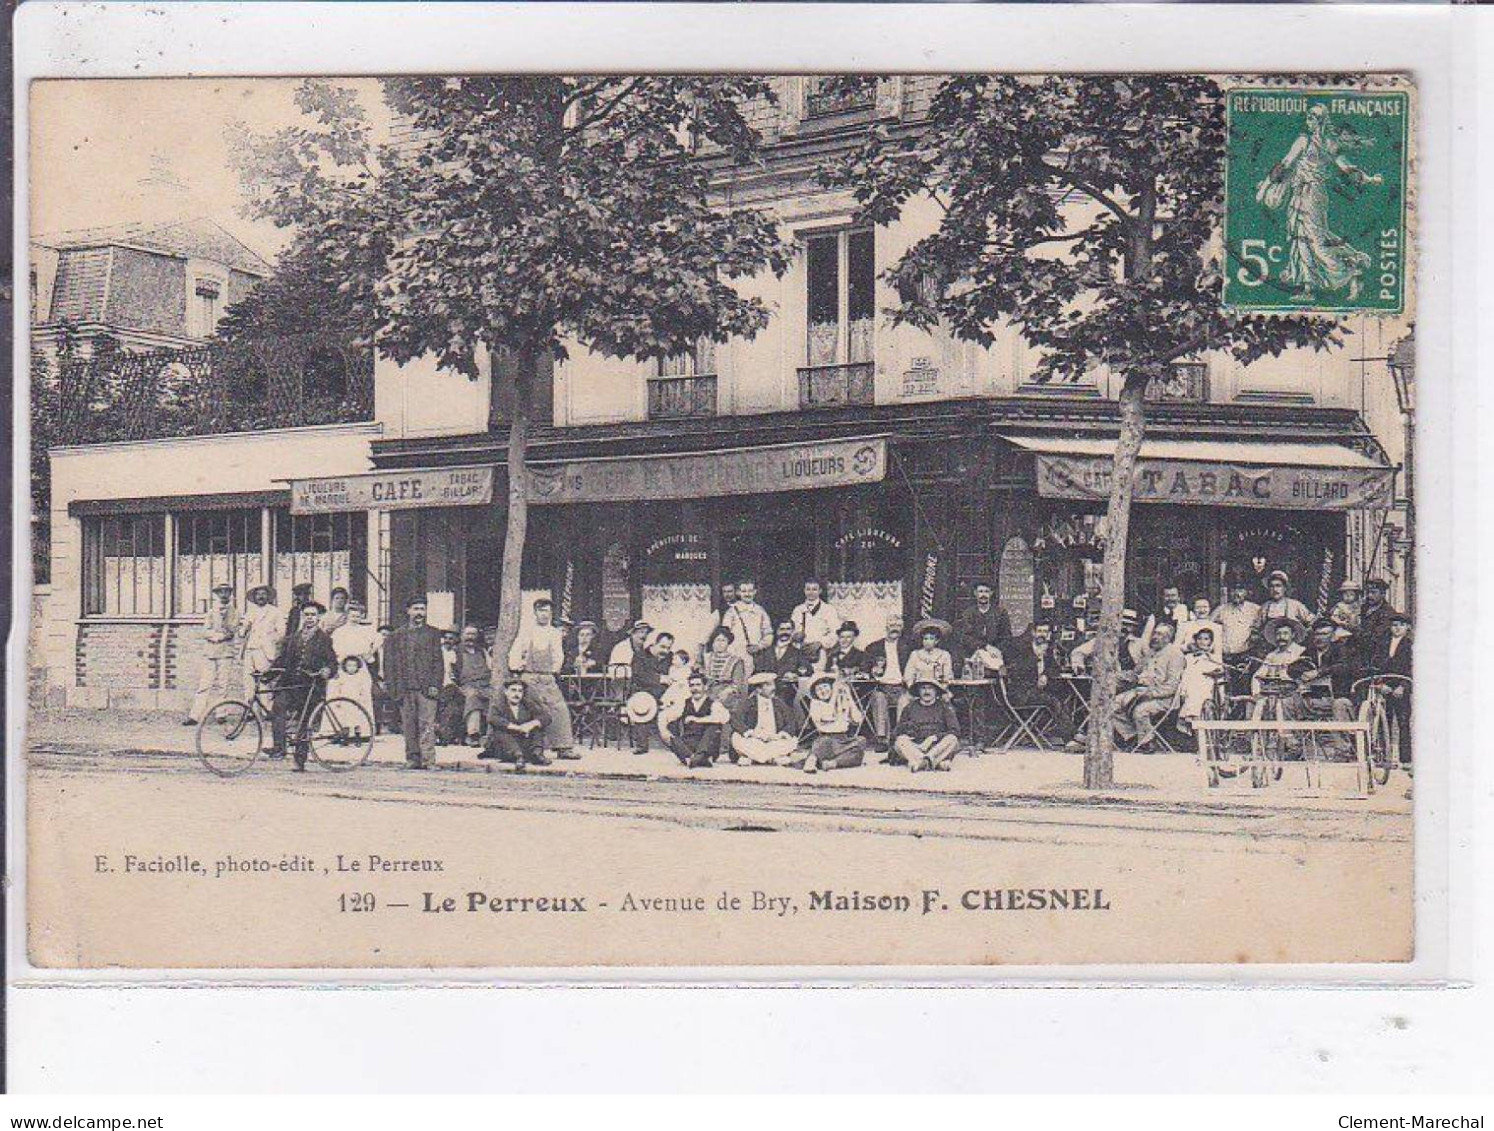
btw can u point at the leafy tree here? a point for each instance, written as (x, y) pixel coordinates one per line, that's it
(1085, 212)
(520, 214)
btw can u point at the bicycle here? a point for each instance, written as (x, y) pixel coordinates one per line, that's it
(337, 733)
(1384, 726)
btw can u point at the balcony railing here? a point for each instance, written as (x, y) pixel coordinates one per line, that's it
(671, 398)
(833, 386)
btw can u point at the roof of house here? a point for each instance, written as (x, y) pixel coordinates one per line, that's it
(199, 238)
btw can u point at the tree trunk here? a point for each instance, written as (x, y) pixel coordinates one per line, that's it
(510, 590)
(1099, 759)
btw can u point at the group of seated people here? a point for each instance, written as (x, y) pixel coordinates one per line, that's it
(1273, 656)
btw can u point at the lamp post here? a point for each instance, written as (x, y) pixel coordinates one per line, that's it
(1402, 364)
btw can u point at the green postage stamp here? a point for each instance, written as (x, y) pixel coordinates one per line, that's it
(1315, 200)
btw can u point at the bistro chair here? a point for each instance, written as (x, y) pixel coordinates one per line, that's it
(1021, 720)
(607, 705)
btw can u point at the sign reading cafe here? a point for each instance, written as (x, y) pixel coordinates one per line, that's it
(1220, 484)
(394, 490)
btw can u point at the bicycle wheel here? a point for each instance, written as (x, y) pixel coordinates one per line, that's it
(230, 738)
(339, 734)
(1381, 747)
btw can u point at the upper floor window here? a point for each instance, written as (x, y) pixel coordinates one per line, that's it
(828, 95)
(684, 384)
(207, 297)
(841, 274)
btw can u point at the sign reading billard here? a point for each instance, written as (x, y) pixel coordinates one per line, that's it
(393, 490)
(788, 467)
(1220, 484)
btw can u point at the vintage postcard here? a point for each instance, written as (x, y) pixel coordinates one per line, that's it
(706, 520)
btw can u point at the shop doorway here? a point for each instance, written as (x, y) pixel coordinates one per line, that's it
(779, 559)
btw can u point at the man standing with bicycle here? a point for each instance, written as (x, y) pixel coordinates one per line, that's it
(307, 660)
(414, 668)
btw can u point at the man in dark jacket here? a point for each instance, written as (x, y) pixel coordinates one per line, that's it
(783, 656)
(1393, 658)
(1033, 677)
(1375, 615)
(845, 657)
(928, 734)
(769, 725)
(516, 730)
(306, 661)
(983, 623)
(414, 669)
(300, 598)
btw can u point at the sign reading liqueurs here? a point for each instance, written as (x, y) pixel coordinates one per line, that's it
(1220, 484)
(394, 490)
(791, 467)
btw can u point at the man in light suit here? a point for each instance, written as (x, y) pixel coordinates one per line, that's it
(260, 632)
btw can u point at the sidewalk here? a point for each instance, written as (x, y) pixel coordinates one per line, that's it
(1143, 780)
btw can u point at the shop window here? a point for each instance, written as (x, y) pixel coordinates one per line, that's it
(685, 384)
(124, 566)
(841, 308)
(327, 550)
(213, 547)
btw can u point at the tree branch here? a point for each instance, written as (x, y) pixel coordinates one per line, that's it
(606, 109)
(1062, 173)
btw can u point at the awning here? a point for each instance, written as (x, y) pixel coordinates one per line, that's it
(158, 504)
(1290, 476)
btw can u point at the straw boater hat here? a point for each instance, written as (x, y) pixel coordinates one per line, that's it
(932, 624)
(1350, 586)
(224, 587)
(1279, 575)
(641, 708)
(822, 677)
(762, 679)
(1299, 630)
(260, 588)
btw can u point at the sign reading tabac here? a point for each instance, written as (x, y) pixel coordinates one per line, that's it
(393, 490)
(1220, 484)
(755, 471)
(1315, 200)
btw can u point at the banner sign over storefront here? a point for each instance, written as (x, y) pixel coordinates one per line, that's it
(754, 471)
(394, 490)
(1202, 483)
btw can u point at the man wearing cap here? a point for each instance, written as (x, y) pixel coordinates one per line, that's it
(357, 646)
(515, 729)
(538, 652)
(260, 634)
(1279, 604)
(1375, 617)
(1237, 618)
(414, 669)
(928, 734)
(220, 626)
(300, 596)
(984, 624)
(750, 625)
(770, 723)
(815, 621)
(634, 644)
(1393, 657)
(306, 662)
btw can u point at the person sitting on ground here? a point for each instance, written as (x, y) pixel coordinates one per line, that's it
(697, 726)
(515, 729)
(928, 734)
(725, 671)
(770, 723)
(474, 680)
(835, 717)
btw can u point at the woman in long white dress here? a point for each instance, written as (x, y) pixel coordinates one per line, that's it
(1317, 258)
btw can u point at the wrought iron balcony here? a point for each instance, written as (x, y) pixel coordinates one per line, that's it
(671, 398)
(834, 386)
